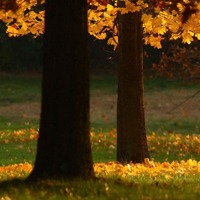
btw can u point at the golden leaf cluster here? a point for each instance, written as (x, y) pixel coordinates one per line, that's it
(22, 135)
(155, 26)
(15, 171)
(24, 20)
(102, 20)
(149, 169)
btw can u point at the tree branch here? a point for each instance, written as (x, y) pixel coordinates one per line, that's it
(181, 103)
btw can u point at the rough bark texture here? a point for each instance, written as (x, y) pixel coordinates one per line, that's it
(64, 140)
(131, 133)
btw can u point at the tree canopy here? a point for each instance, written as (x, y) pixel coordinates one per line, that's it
(176, 19)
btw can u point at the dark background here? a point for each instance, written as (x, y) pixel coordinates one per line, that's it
(24, 54)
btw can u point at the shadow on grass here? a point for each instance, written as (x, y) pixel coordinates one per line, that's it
(99, 188)
(77, 188)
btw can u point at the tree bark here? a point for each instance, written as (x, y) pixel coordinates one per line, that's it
(64, 138)
(131, 133)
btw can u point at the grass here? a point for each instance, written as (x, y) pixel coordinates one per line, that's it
(17, 152)
(12, 124)
(181, 125)
(25, 90)
(104, 189)
(103, 85)
(159, 84)
(19, 89)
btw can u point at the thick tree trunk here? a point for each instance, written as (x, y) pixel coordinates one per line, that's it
(64, 139)
(131, 133)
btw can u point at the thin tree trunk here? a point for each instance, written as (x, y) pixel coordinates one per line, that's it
(64, 139)
(131, 133)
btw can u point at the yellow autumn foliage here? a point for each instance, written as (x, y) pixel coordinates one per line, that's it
(102, 19)
(166, 142)
(15, 171)
(149, 169)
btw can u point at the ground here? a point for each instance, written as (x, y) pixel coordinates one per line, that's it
(170, 138)
(103, 106)
(157, 106)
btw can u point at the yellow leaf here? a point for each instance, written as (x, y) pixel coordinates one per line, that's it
(24, 26)
(162, 30)
(198, 36)
(174, 36)
(191, 33)
(113, 42)
(146, 18)
(109, 7)
(168, 176)
(146, 161)
(123, 10)
(12, 31)
(187, 38)
(101, 36)
(157, 9)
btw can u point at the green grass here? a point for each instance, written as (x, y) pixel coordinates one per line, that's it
(26, 89)
(19, 89)
(172, 156)
(159, 84)
(140, 188)
(13, 124)
(17, 152)
(15, 89)
(103, 154)
(182, 126)
(102, 85)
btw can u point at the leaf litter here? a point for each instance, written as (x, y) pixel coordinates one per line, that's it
(149, 169)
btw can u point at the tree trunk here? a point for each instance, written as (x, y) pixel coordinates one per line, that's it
(64, 138)
(131, 133)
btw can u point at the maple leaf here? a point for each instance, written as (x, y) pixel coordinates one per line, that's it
(187, 38)
(174, 36)
(113, 41)
(146, 18)
(155, 41)
(198, 36)
(109, 7)
(12, 31)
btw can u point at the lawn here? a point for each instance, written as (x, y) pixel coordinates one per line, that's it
(171, 137)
